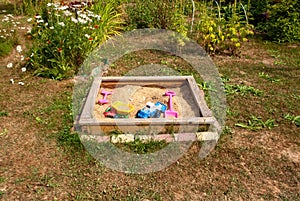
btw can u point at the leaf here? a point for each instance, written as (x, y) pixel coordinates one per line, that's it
(297, 121)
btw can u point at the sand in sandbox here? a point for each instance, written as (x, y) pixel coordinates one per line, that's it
(138, 96)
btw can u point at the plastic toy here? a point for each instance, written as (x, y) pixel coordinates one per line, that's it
(122, 108)
(170, 112)
(152, 110)
(111, 113)
(104, 100)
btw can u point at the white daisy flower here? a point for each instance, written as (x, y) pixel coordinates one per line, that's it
(67, 13)
(29, 20)
(82, 15)
(19, 48)
(9, 65)
(23, 69)
(21, 83)
(74, 20)
(82, 21)
(63, 8)
(61, 24)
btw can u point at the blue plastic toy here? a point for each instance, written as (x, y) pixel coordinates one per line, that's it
(152, 110)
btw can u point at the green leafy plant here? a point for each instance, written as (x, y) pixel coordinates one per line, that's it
(162, 14)
(257, 123)
(242, 89)
(283, 23)
(222, 28)
(294, 119)
(258, 11)
(268, 77)
(64, 35)
(3, 113)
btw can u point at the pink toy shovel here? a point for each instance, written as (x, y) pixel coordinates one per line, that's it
(170, 112)
(104, 100)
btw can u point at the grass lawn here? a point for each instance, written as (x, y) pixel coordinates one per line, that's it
(257, 157)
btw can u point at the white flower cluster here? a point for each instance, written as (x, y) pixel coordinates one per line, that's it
(9, 21)
(19, 55)
(83, 16)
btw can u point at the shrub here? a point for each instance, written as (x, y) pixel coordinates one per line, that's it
(222, 28)
(161, 14)
(284, 21)
(63, 35)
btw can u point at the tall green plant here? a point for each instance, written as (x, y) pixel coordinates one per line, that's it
(162, 14)
(284, 21)
(222, 28)
(63, 35)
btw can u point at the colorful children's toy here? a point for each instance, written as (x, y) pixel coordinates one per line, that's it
(122, 108)
(170, 112)
(104, 100)
(152, 110)
(111, 113)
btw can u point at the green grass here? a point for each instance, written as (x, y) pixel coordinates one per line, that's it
(242, 90)
(257, 123)
(293, 119)
(3, 113)
(6, 47)
(268, 77)
(140, 147)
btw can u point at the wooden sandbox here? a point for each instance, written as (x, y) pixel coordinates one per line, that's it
(194, 120)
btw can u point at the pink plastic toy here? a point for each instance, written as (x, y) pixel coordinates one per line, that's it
(170, 112)
(104, 100)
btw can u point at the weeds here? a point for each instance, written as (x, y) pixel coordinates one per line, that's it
(239, 89)
(268, 77)
(256, 123)
(294, 119)
(140, 147)
(3, 113)
(242, 90)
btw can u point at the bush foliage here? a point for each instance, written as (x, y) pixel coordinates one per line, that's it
(222, 28)
(283, 23)
(63, 35)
